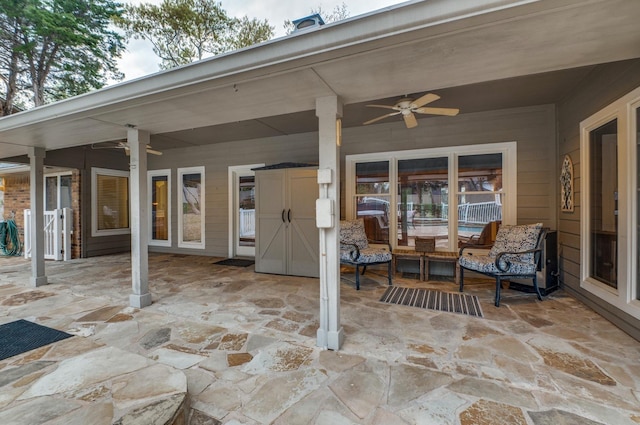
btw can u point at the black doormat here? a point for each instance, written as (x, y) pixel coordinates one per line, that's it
(235, 262)
(21, 336)
(433, 300)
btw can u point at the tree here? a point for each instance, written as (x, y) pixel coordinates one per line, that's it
(57, 48)
(339, 13)
(183, 31)
(10, 67)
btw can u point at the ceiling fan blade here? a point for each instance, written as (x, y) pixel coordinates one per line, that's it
(381, 118)
(395, 108)
(427, 98)
(410, 120)
(438, 111)
(153, 152)
(150, 150)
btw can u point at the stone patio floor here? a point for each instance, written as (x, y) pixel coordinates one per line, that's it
(226, 345)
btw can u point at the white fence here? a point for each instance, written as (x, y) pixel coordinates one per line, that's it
(58, 225)
(247, 223)
(480, 212)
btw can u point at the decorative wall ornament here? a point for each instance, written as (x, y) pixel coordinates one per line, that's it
(566, 185)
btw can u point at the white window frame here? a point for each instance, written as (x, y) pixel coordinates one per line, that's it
(159, 173)
(57, 175)
(509, 180)
(234, 173)
(626, 294)
(187, 244)
(94, 202)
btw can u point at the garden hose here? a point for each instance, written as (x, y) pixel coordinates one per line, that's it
(9, 238)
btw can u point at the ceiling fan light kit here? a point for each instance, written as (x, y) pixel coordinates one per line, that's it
(408, 107)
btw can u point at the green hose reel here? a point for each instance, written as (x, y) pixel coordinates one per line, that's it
(10, 238)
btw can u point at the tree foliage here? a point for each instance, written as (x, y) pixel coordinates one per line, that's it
(183, 31)
(339, 13)
(57, 48)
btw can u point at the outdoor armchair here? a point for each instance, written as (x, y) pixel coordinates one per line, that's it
(516, 253)
(355, 250)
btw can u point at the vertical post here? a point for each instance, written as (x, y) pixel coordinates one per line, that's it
(67, 220)
(328, 111)
(36, 176)
(138, 141)
(56, 234)
(27, 234)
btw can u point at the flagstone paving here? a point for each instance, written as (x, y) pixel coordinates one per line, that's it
(225, 345)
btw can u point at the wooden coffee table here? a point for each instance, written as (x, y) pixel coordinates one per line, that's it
(408, 254)
(441, 257)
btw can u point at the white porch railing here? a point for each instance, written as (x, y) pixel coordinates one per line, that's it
(480, 212)
(58, 225)
(247, 222)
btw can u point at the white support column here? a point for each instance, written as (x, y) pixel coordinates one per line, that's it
(138, 141)
(36, 183)
(328, 111)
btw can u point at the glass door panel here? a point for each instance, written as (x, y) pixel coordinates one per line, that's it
(51, 193)
(65, 191)
(160, 208)
(372, 199)
(479, 197)
(422, 210)
(191, 224)
(603, 194)
(246, 235)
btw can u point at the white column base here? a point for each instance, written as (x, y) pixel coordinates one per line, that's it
(39, 281)
(322, 340)
(335, 339)
(140, 301)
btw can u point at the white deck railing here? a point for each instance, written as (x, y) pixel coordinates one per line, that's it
(480, 212)
(247, 222)
(58, 225)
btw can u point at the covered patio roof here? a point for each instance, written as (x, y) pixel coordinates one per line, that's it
(479, 55)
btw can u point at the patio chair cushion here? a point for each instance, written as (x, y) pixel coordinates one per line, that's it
(487, 264)
(367, 255)
(516, 239)
(352, 233)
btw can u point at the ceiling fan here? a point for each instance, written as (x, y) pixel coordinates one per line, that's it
(408, 106)
(123, 145)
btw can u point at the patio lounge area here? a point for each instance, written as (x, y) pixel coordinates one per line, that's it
(242, 344)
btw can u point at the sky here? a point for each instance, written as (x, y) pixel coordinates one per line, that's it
(139, 60)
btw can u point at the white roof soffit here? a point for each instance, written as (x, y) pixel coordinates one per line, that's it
(411, 47)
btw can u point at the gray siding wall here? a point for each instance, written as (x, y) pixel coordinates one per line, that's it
(84, 159)
(532, 127)
(602, 86)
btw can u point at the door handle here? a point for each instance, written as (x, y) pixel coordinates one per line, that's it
(289, 216)
(282, 216)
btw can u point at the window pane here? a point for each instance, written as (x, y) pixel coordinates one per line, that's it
(113, 202)
(247, 211)
(51, 193)
(372, 177)
(191, 217)
(375, 213)
(477, 174)
(65, 192)
(603, 208)
(637, 119)
(423, 188)
(480, 173)
(160, 208)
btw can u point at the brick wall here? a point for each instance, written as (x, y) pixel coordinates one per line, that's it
(17, 198)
